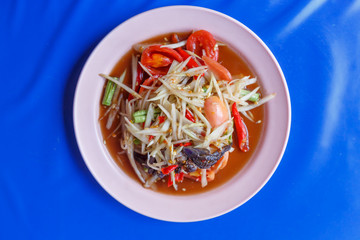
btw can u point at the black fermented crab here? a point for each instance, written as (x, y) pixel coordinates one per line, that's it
(202, 158)
(142, 160)
(192, 158)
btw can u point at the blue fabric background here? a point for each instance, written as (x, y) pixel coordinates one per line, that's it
(46, 191)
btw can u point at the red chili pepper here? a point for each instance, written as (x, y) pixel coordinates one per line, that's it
(148, 82)
(161, 119)
(169, 169)
(241, 130)
(185, 55)
(151, 137)
(179, 177)
(183, 144)
(189, 116)
(139, 80)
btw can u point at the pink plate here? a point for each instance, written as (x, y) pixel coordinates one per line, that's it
(199, 206)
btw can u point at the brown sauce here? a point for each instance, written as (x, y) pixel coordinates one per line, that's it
(237, 159)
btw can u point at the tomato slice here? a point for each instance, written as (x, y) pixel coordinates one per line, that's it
(203, 40)
(158, 59)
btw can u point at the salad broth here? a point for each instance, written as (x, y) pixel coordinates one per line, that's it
(237, 159)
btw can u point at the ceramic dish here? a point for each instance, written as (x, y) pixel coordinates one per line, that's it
(191, 207)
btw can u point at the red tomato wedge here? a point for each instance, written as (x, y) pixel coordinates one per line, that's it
(158, 59)
(203, 40)
(220, 72)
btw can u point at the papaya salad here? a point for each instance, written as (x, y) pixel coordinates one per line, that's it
(181, 111)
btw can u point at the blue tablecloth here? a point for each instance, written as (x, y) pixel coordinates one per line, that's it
(46, 191)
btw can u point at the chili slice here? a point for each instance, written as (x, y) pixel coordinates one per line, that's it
(192, 63)
(183, 144)
(179, 177)
(169, 169)
(148, 82)
(189, 116)
(185, 55)
(161, 119)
